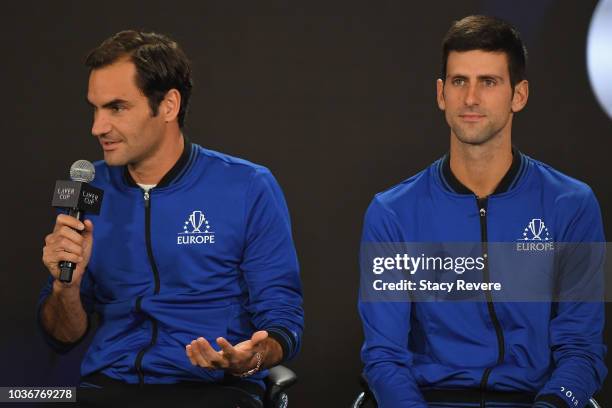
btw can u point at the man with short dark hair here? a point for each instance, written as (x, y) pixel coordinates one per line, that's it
(192, 268)
(484, 352)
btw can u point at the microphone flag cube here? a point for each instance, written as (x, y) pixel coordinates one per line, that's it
(77, 195)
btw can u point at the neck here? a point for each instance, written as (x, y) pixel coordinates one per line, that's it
(151, 170)
(480, 167)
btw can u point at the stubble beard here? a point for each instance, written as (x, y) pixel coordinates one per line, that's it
(112, 161)
(120, 157)
(477, 137)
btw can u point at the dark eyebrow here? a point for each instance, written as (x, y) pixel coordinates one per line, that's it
(495, 77)
(479, 77)
(114, 103)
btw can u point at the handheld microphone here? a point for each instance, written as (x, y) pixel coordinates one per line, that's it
(77, 197)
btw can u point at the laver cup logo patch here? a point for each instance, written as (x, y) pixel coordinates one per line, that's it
(196, 230)
(535, 237)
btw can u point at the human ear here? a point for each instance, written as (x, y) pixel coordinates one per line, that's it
(520, 96)
(170, 105)
(440, 94)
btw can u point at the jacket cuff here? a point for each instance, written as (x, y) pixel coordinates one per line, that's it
(550, 401)
(284, 337)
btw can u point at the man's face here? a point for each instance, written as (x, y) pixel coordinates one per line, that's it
(476, 95)
(123, 121)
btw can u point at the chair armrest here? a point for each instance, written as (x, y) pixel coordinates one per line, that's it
(280, 377)
(278, 380)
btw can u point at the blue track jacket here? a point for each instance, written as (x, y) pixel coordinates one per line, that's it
(552, 350)
(208, 252)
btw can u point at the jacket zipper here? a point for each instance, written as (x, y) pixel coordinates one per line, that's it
(482, 210)
(141, 353)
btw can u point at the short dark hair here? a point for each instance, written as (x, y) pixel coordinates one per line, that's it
(489, 34)
(160, 63)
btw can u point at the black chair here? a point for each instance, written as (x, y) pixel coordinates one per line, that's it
(279, 379)
(366, 397)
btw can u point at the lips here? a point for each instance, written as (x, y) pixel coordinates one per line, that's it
(471, 117)
(109, 145)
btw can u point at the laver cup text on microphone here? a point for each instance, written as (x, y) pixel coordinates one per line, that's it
(77, 197)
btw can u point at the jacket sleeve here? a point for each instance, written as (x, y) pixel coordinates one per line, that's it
(270, 265)
(386, 325)
(576, 328)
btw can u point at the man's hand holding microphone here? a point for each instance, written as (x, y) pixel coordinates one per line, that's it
(67, 251)
(71, 240)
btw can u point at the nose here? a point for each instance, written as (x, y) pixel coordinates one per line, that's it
(101, 125)
(472, 96)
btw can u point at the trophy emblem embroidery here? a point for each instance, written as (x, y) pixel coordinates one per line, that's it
(197, 221)
(537, 228)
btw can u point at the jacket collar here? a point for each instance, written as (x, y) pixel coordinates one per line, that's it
(172, 174)
(506, 183)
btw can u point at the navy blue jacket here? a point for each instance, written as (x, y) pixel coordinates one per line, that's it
(554, 350)
(208, 252)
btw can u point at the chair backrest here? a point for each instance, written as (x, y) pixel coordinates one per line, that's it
(360, 400)
(594, 404)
